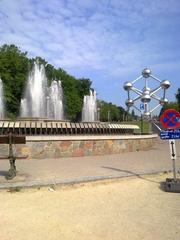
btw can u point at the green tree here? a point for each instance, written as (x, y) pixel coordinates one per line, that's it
(170, 105)
(14, 66)
(115, 113)
(178, 98)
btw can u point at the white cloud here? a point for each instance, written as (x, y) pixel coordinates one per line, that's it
(113, 37)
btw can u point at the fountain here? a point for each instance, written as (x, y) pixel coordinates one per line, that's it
(89, 111)
(49, 136)
(34, 103)
(55, 101)
(41, 101)
(1, 100)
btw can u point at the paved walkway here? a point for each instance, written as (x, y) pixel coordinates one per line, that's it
(78, 169)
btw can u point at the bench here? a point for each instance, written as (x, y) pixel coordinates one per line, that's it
(12, 139)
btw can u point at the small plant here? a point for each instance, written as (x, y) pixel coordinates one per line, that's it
(14, 189)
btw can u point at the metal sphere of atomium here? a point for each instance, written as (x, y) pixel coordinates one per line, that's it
(145, 98)
(146, 115)
(129, 102)
(127, 86)
(146, 95)
(162, 101)
(146, 72)
(165, 84)
(146, 91)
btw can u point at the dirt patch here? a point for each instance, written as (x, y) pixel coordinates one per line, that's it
(129, 208)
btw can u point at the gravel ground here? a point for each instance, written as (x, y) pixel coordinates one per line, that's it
(129, 208)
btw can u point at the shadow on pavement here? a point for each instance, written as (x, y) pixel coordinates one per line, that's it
(130, 172)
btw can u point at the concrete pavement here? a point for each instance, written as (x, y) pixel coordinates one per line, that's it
(38, 172)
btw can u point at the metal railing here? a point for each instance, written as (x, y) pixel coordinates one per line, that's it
(61, 128)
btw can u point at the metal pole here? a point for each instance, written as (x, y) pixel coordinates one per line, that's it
(98, 114)
(108, 115)
(174, 169)
(141, 123)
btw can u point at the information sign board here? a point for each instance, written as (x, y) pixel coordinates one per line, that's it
(170, 134)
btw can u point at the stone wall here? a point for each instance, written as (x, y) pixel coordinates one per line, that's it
(76, 146)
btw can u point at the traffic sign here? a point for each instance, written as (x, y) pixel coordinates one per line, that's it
(170, 119)
(172, 146)
(170, 134)
(142, 106)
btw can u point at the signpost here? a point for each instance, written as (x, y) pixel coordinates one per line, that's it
(12, 139)
(170, 119)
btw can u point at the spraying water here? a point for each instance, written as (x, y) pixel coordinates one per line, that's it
(1, 100)
(34, 103)
(55, 101)
(41, 101)
(89, 111)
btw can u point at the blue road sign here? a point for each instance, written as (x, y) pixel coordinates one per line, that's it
(142, 106)
(170, 134)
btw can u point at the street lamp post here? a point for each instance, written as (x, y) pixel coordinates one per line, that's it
(109, 115)
(98, 114)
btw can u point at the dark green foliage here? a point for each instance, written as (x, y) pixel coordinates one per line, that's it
(110, 112)
(178, 98)
(170, 105)
(13, 72)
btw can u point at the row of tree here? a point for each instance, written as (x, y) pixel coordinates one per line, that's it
(14, 69)
(111, 113)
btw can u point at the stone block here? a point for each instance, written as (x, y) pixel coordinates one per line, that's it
(76, 144)
(4, 150)
(88, 152)
(65, 154)
(65, 144)
(25, 151)
(88, 144)
(79, 152)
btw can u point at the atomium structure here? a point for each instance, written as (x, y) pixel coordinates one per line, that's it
(146, 94)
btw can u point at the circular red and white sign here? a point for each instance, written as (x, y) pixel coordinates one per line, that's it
(170, 119)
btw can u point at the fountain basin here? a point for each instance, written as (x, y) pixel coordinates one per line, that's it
(56, 139)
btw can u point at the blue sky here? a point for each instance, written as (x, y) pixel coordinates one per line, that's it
(108, 41)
